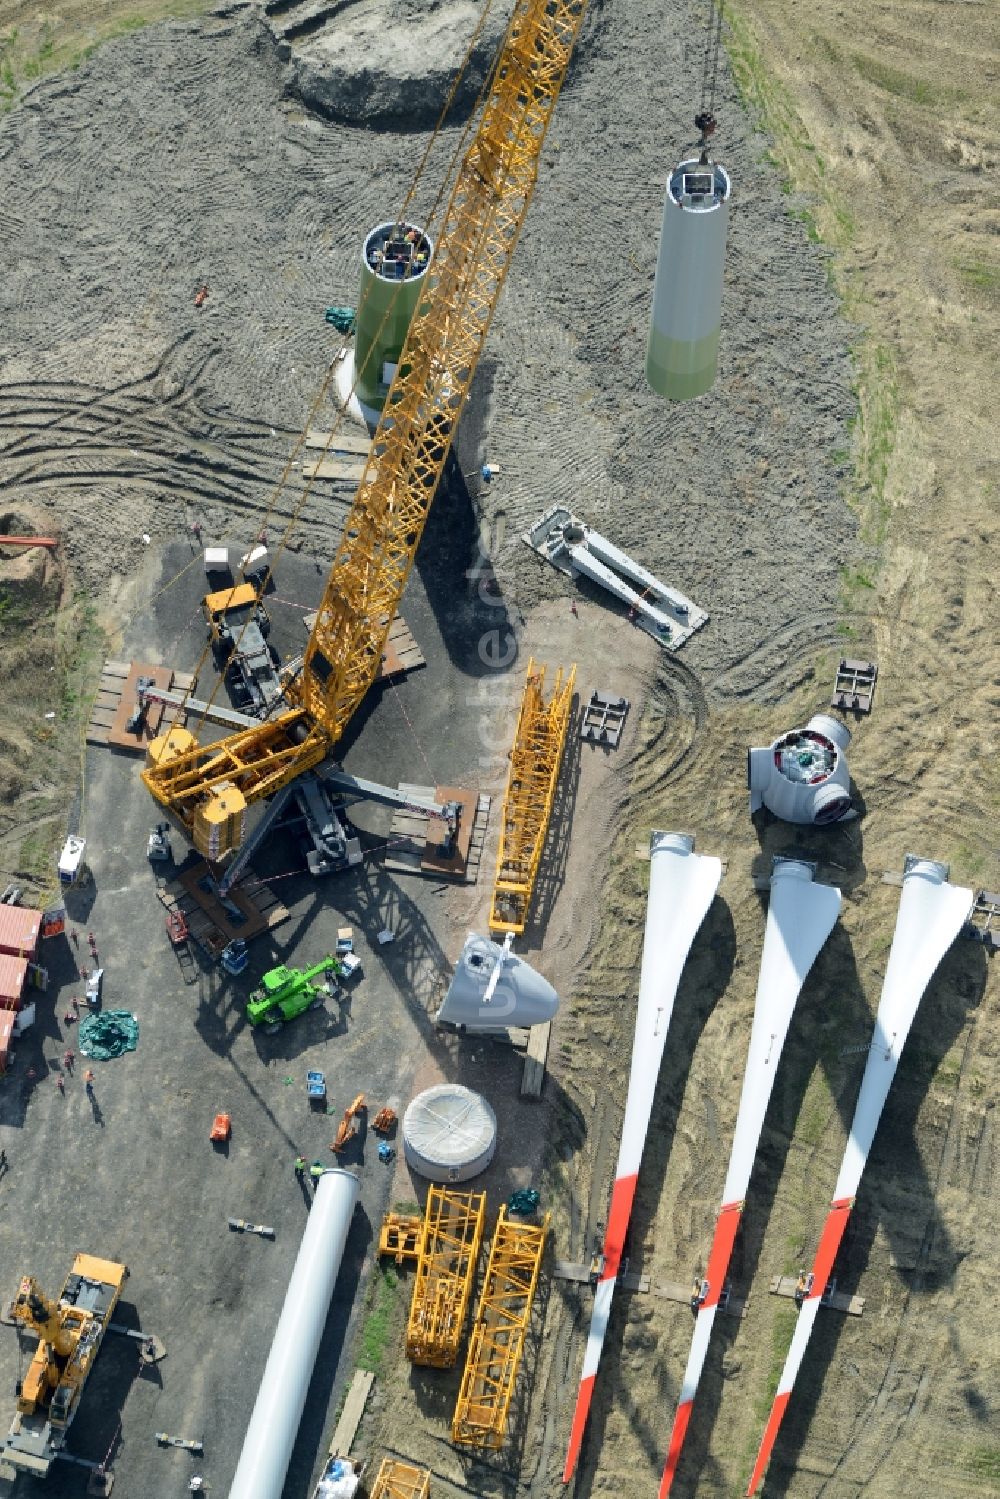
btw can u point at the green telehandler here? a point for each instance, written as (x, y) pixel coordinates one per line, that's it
(285, 992)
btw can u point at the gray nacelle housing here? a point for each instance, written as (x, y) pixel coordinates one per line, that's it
(521, 997)
(803, 776)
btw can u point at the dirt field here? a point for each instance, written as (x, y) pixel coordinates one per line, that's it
(866, 169)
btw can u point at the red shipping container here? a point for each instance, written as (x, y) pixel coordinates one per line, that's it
(13, 972)
(19, 931)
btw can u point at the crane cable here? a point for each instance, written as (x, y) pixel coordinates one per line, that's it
(705, 119)
(321, 395)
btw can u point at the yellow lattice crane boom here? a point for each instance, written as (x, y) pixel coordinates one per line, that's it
(446, 1265)
(207, 789)
(531, 787)
(498, 1333)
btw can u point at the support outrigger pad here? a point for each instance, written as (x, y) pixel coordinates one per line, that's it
(854, 687)
(100, 1483)
(604, 719)
(241, 1226)
(188, 1444)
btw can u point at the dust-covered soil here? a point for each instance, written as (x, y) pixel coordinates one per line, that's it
(186, 155)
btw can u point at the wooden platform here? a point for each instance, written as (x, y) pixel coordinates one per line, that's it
(344, 440)
(565, 1270)
(636, 1280)
(674, 1290)
(784, 1285)
(350, 1416)
(347, 468)
(402, 654)
(115, 702)
(414, 839)
(208, 922)
(533, 1075)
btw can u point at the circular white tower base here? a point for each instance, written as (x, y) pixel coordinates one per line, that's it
(343, 384)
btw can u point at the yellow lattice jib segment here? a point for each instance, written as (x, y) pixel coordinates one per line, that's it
(531, 787)
(498, 1333)
(408, 452)
(446, 1264)
(396, 1480)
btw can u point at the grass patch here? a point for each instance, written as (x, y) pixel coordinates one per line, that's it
(905, 85)
(829, 219)
(970, 861)
(36, 857)
(378, 1324)
(984, 1463)
(814, 1115)
(80, 650)
(30, 53)
(980, 277)
(782, 1328)
(878, 414)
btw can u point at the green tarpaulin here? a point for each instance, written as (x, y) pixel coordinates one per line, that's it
(109, 1034)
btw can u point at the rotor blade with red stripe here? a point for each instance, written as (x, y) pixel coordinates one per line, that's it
(801, 915)
(682, 886)
(931, 915)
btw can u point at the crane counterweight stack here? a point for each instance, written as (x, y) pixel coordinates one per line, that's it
(207, 789)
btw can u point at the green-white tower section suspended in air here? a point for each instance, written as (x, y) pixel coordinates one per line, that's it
(393, 263)
(683, 349)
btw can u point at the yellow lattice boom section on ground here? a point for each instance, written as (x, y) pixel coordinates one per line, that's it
(498, 1333)
(449, 1249)
(203, 788)
(531, 787)
(396, 1480)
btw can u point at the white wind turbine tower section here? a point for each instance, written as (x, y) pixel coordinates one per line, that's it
(682, 886)
(801, 916)
(931, 915)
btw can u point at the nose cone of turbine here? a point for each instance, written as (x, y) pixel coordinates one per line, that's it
(520, 995)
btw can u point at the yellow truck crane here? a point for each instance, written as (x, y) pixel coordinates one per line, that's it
(70, 1331)
(206, 789)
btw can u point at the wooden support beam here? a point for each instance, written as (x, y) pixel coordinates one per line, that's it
(350, 1417)
(784, 1285)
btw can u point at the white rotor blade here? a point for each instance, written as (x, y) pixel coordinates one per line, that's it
(682, 886)
(931, 915)
(800, 917)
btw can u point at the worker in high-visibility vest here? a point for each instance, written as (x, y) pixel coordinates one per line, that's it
(316, 1171)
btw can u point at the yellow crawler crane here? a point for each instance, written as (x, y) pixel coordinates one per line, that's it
(498, 1333)
(206, 790)
(396, 1480)
(531, 787)
(446, 1264)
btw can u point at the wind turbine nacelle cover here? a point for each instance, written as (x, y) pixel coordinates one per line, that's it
(521, 996)
(803, 776)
